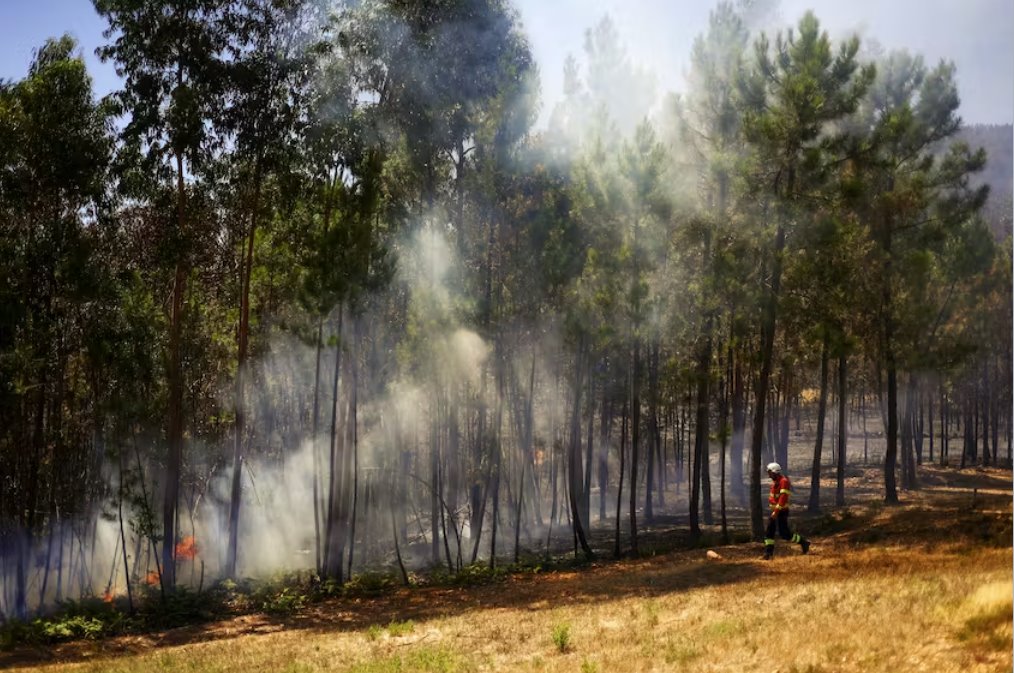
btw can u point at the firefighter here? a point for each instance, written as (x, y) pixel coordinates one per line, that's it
(781, 489)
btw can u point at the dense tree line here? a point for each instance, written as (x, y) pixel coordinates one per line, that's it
(312, 279)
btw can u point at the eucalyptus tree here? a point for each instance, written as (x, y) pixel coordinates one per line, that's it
(171, 55)
(789, 95)
(349, 209)
(53, 195)
(267, 77)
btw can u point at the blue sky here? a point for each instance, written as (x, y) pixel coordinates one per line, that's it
(25, 25)
(978, 35)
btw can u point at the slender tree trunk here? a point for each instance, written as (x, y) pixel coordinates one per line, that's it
(353, 429)
(436, 513)
(763, 384)
(919, 423)
(723, 425)
(635, 436)
(332, 545)
(909, 480)
(839, 495)
(887, 306)
(985, 415)
(995, 414)
(314, 430)
(243, 335)
(944, 422)
(496, 436)
(574, 472)
(619, 485)
(814, 504)
(738, 430)
(175, 384)
(589, 447)
(604, 423)
(123, 540)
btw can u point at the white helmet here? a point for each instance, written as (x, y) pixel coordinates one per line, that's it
(774, 467)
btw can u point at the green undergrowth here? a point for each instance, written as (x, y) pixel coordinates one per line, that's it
(280, 595)
(290, 593)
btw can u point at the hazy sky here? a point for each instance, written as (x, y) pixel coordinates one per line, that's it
(978, 35)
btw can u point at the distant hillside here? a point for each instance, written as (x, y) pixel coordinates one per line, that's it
(998, 141)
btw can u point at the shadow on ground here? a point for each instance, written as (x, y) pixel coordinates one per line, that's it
(970, 508)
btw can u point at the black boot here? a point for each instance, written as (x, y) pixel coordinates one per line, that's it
(805, 545)
(769, 551)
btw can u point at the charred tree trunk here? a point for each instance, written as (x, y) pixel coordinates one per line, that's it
(619, 485)
(574, 471)
(839, 494)
(314, 430)
(332, 562)
(603, 463)
(814, 504)
(635, 436)
(589, 460)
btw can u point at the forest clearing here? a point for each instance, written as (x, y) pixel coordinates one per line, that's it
(921, 586)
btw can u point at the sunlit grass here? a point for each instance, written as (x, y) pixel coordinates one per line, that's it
(888, 610)
(900, 604)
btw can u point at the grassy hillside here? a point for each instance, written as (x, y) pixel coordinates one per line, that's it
(924, 586)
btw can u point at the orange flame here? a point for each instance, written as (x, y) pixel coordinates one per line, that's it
(151, 579)
(186, 549)
(107, 597)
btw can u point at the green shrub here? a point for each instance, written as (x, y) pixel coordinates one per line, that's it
(183, 606)
(284, 602)
(400, 628)
(561, 636)
(369, 584)
(477, 574)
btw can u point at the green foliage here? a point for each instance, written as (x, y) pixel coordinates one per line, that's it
(87, 619)
(651, 613)
(396, 629)
(422, 659)
(370, 584)
(680, 650)
(284, 602)
(561, 637)
(475, 574)
(181, 607)
(725, 628)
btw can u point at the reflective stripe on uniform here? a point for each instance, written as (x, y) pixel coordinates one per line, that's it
(795, 537)
(769, 542)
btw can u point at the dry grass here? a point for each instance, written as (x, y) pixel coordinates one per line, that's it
(923, 587)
